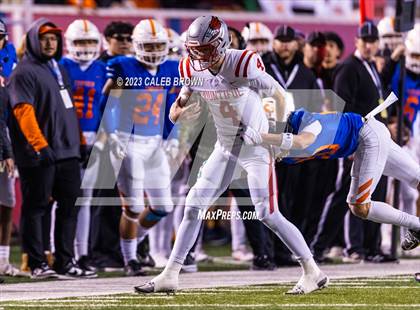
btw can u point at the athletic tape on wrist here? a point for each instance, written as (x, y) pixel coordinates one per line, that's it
(287, 141)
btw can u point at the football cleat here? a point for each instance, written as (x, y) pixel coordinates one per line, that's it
(308, 283)
(161, 283)
(133, 269)
(411, 240)
(417, 277)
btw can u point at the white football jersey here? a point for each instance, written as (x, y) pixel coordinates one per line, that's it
(232, 95)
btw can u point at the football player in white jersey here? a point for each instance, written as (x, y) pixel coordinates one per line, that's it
(230, 79)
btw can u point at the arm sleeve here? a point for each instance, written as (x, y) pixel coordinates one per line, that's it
(25, 116)
(170, 131)
(110, 113)
(113, 70)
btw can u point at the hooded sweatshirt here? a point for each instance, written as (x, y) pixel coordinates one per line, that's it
(40, 116)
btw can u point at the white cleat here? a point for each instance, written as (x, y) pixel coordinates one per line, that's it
(12, 271)
(309, 283)
(161, 283)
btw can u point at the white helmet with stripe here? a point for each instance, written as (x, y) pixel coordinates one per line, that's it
(83, 40)
(388, 37)
(207, 41)
(150, 42)
(175, 44)
(258, 37)
(412, 45)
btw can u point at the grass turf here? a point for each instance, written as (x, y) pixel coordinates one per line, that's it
(400, 292)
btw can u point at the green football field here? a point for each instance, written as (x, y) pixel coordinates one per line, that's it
(397, 292)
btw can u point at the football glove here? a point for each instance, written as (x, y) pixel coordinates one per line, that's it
(117, 147)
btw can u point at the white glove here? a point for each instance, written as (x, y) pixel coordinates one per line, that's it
(117, 147)
(251, 136)
(171, 147)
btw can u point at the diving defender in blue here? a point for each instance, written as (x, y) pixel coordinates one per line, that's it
(139, 93)
(331, 135)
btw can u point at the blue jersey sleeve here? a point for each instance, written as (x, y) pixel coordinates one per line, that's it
(170, 131)
(113, 68)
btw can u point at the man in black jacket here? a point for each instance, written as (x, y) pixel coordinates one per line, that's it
(286, 66)
(46, 142)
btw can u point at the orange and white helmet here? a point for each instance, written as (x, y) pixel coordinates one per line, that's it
(258, 37)
(83, 30)
(388, 37)
(149, 32)
(175, 44)
(412, 49)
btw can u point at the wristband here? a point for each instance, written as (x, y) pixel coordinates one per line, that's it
(287, 141)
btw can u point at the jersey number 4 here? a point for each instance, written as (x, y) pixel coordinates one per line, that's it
(228, 111)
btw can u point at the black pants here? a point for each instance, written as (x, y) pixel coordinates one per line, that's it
(105, 220)
(364, 237)
(258, 235)
(287, 184)
(61, 182)
(316, 181)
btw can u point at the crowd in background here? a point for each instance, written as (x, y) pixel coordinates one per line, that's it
(312, 194)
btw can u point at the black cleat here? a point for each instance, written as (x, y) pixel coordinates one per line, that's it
(149, 288)
(190, 265)
(146, 288)
(417, 276)
(262, 263)
(133, 269)
(411, 240)
(86, 264)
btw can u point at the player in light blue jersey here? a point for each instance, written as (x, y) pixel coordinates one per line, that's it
(139, 92)
(332, 135)
(87, 76)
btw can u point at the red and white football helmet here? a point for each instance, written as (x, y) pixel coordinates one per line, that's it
(207, 41)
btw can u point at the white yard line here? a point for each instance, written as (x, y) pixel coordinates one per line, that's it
(208, 281)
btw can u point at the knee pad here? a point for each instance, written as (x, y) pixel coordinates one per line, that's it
(155, 215)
